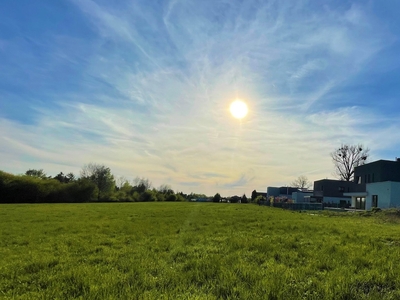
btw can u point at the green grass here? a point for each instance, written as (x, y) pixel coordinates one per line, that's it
(194, 251)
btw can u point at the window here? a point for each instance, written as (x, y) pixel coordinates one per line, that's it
(341, 188)
(360, 202)
(374, 200)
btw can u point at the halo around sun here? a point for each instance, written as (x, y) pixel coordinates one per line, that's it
(238, 109)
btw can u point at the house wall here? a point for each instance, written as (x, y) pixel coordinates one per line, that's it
(335, 200)
(285, 196)
(382, 189)
(273, 191)
(336, 188)
(377, 171)
(299, 196)
(388, 194)
(395, 194)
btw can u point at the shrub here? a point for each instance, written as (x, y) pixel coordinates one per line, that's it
(28, 189)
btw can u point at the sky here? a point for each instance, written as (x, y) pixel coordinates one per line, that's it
(144, 87)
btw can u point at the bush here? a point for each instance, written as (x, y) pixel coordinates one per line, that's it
(28, 189)
(147, 196)
(171, 197)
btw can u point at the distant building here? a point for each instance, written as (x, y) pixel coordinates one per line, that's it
(302, 196)
(255, 194)
(332, 192)
(282, 192)
(203, 200)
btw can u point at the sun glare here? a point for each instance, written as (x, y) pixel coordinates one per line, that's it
(238, 109)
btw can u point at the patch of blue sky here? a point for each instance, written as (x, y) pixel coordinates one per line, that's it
(23, 112)
(39, 19)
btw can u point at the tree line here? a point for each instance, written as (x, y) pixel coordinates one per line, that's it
(96, 183)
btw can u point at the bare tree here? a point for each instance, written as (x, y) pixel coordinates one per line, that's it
(301, 182)
(346, 158)
(142, 184)
(165, 189)
(121, 181)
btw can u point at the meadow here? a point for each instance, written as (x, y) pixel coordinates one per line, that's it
(195, 251)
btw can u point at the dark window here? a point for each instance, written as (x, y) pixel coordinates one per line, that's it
(369, 178)
(374, 200)
(341, 189)
(373, 177)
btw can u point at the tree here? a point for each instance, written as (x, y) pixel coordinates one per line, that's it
(31, 189)
(234, 199)
(182, 196)
(36, 173)
(253, 195)
(171, 197)
(142, 184)
(244, 199)
(301, 182)
(346, 158)
(196, 196)
(165, 189)
(147, 196)
(101, 176)
(259, 199)
(70, 177)
(120, 182)
(216, 198)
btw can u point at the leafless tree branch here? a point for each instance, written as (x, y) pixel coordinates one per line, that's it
(346, 158)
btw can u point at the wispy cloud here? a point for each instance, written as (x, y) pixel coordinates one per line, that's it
(145, 89)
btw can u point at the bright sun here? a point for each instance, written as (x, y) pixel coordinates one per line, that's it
(238, 109)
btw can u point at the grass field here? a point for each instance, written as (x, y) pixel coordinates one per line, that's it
(194, 251)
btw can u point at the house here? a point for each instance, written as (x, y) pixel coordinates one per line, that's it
(203, 200)
(283, 191)
(302, 196)
(293, 194)
(334, 192)
(382, 185)
(255, 194)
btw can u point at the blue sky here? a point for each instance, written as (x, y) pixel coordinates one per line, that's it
(144, 87)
